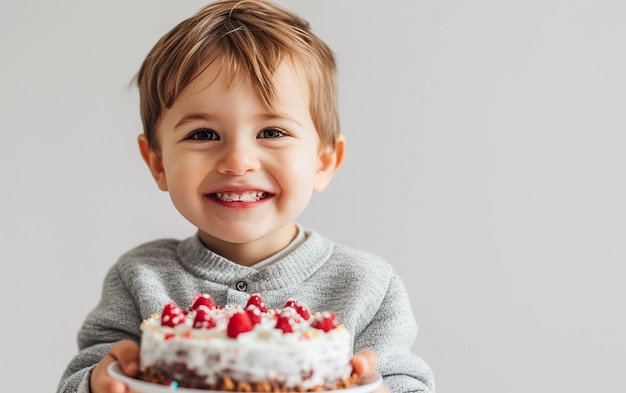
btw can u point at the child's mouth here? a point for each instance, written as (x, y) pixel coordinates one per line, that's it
(248, 196)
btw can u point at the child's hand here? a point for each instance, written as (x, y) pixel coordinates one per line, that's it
(126, 352)
(364, 363)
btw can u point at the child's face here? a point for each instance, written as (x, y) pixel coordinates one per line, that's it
(237, 170)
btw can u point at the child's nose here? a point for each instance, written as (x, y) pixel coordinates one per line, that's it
(238, 160)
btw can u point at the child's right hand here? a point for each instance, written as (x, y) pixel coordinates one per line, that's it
(364, 363)
(126, 352)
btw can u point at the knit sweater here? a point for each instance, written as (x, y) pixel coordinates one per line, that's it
(362, 289)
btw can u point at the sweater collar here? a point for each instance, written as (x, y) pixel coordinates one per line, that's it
(294, 268)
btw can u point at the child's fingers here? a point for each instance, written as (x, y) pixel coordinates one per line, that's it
(101, 382)
(114, 386)
(126, 352)
(364, 362)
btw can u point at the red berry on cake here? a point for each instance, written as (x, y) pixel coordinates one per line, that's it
(300, 308)
(290, 303)
(257, 301)
(201, 299)
(202, 320)
(239, 323)
(254, 313)
(325, 321)
(303, 311)
(284, 323)
(172, 315)
(286, 319)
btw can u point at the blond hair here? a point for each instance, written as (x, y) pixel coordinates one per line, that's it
(252, 37)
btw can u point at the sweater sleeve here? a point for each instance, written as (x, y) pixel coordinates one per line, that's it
(114, 318)
(390, 334)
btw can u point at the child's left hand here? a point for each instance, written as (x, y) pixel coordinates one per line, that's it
(364, 363)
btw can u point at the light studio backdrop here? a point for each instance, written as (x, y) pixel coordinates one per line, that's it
(486, 162)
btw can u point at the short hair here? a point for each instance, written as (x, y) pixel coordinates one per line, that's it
(252, 37)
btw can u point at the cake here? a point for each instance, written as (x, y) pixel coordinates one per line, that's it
(246, 348)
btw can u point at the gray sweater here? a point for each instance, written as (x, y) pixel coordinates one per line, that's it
(367, 296)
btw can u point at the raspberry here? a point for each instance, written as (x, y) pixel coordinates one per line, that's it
(172, 315)
(299, 307)
(203, 320)
(284, 323)
(239, 323)
(286, 319)
(257, 301)
(325, 321)
(254, 313)
(303, 311)
(202, 300)
(290, 303)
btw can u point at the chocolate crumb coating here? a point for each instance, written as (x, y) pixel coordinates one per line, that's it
(193, 381)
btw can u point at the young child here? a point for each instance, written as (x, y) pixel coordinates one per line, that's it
(240, 120)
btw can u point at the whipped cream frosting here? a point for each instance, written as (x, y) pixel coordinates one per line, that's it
(306, 357)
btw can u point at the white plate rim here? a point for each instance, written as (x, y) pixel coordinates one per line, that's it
(367, 385)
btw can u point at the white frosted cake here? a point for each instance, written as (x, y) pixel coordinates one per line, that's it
(249, 348)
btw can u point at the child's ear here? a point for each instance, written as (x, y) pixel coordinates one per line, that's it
(154, 161)
(329, 161)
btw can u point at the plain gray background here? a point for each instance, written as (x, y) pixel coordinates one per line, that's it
(486, 162)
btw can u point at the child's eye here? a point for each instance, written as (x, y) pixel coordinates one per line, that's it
(204, 135)
(271, 133)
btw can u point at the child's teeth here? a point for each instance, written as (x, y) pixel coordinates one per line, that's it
(250, 196)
